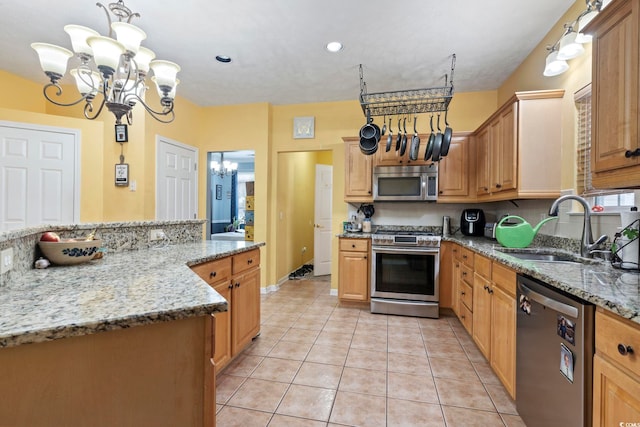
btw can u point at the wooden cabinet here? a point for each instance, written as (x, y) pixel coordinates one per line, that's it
(465, 288)
(454, 171)
(237, 279)
(616, 376)
(503, 326)
(358, 173)
(482, 290)
(523, 134)
(354, 269)
(615, 95)
(446, 278)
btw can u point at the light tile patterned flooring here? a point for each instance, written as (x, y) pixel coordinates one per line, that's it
(317, 363)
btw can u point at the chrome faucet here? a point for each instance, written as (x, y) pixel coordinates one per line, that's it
(588, 245)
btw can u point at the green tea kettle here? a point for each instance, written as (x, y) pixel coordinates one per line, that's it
(519, 235)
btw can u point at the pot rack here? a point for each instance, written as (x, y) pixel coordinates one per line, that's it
(411, 101)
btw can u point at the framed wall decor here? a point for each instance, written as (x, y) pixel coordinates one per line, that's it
(218, 192)
(122, 174)
(303, 127)
(122, 134)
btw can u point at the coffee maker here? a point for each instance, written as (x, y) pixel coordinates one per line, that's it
(472, 222)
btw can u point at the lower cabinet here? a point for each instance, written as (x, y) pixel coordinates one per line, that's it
(486, 308)
(354, 269)
(616, 371)
(237, 279)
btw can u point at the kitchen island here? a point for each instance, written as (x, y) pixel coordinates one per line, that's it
(125, 340)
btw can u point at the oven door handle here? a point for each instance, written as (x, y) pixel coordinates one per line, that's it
(405, 250)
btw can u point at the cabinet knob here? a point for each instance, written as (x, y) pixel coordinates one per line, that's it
(250, 261)
(486, 189)
(464, 256)
(369, 192)
(365, 257)
(625, 349)
(212, 274)
(230, 286)
(462, 317)
(464, 273)
(462, 293)
(440, 192)
(498, 185)
(353, 246)
(238, 285)
(634, 153)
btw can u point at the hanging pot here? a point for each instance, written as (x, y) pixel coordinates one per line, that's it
(437, 144)
(446, 137)
(432, 138)
(369, 136)
(390, 137)
(415, 142)
(403, 143)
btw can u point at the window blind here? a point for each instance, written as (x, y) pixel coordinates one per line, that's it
(582, 99)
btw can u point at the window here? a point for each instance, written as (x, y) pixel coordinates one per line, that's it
(611, 200)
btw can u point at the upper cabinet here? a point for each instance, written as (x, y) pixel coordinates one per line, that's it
(358, 173)
(615, 145)
(454, 172)
(523, 134)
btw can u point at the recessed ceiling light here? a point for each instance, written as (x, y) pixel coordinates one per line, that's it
(223, 58)
(334, 47)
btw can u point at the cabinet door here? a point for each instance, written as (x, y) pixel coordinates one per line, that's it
(354, 276)
(446, 274)
(391, 157)
(222, 338)
(358, 174)
(503, 338)
(616, 395)
(504, 151)
(615, 88)
(245, 309)
(482, 314)
(453, 170)
(483, 178)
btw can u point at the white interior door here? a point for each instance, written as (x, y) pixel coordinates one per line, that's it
(39, 175)
(176, 180)
(322, 221)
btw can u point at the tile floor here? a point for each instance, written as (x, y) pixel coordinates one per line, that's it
(317, 363)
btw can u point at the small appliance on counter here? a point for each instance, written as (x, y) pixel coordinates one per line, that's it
(472, 222)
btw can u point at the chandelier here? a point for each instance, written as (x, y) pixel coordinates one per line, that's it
(224, 168)
(114, 69)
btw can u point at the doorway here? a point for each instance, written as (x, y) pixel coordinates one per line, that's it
(295, 212)
(230, 187)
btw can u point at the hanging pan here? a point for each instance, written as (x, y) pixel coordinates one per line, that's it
(415, 142)
(403, 143)
(437, 144)
(432, 138)
(390, 137)
(399, 138)
(446, 137)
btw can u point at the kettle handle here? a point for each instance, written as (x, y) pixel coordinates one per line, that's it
(511, 216)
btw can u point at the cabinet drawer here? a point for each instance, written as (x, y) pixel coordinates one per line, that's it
(357, 245)
(613, 331)
(467, 256)
(482, 266)
(504, 277)
(466, 274)
(466, 295)
(214, 271)
(466, 318)
(457, 252)
(246, 261)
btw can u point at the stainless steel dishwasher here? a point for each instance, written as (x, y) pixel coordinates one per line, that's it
(554, 356)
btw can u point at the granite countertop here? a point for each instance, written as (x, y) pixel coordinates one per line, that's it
(594, 281)
(121, 290)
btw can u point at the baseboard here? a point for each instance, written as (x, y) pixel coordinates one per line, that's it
(333, 292)
(269, 289)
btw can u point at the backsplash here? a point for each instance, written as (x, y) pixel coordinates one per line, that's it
(116, 237)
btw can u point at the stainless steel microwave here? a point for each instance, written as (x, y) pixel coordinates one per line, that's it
(405, 183)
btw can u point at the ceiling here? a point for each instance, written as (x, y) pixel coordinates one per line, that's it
(278, 46)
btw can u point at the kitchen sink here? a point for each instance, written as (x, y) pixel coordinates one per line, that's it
(546, 257)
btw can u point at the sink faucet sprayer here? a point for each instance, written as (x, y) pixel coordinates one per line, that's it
(588, 245)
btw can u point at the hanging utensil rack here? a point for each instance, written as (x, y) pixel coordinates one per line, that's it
(412, 101)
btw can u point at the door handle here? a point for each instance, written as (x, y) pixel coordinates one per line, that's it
(549, 302)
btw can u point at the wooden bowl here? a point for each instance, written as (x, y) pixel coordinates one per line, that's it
(69, 252)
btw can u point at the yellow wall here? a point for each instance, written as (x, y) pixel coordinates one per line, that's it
(21, 94)
(528, 76)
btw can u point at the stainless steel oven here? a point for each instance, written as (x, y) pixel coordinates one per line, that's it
(404, 273)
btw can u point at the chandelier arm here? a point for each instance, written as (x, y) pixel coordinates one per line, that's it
(58, 93)
(133, 15)
(88, 108)
(168, 111)
(106, 11)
